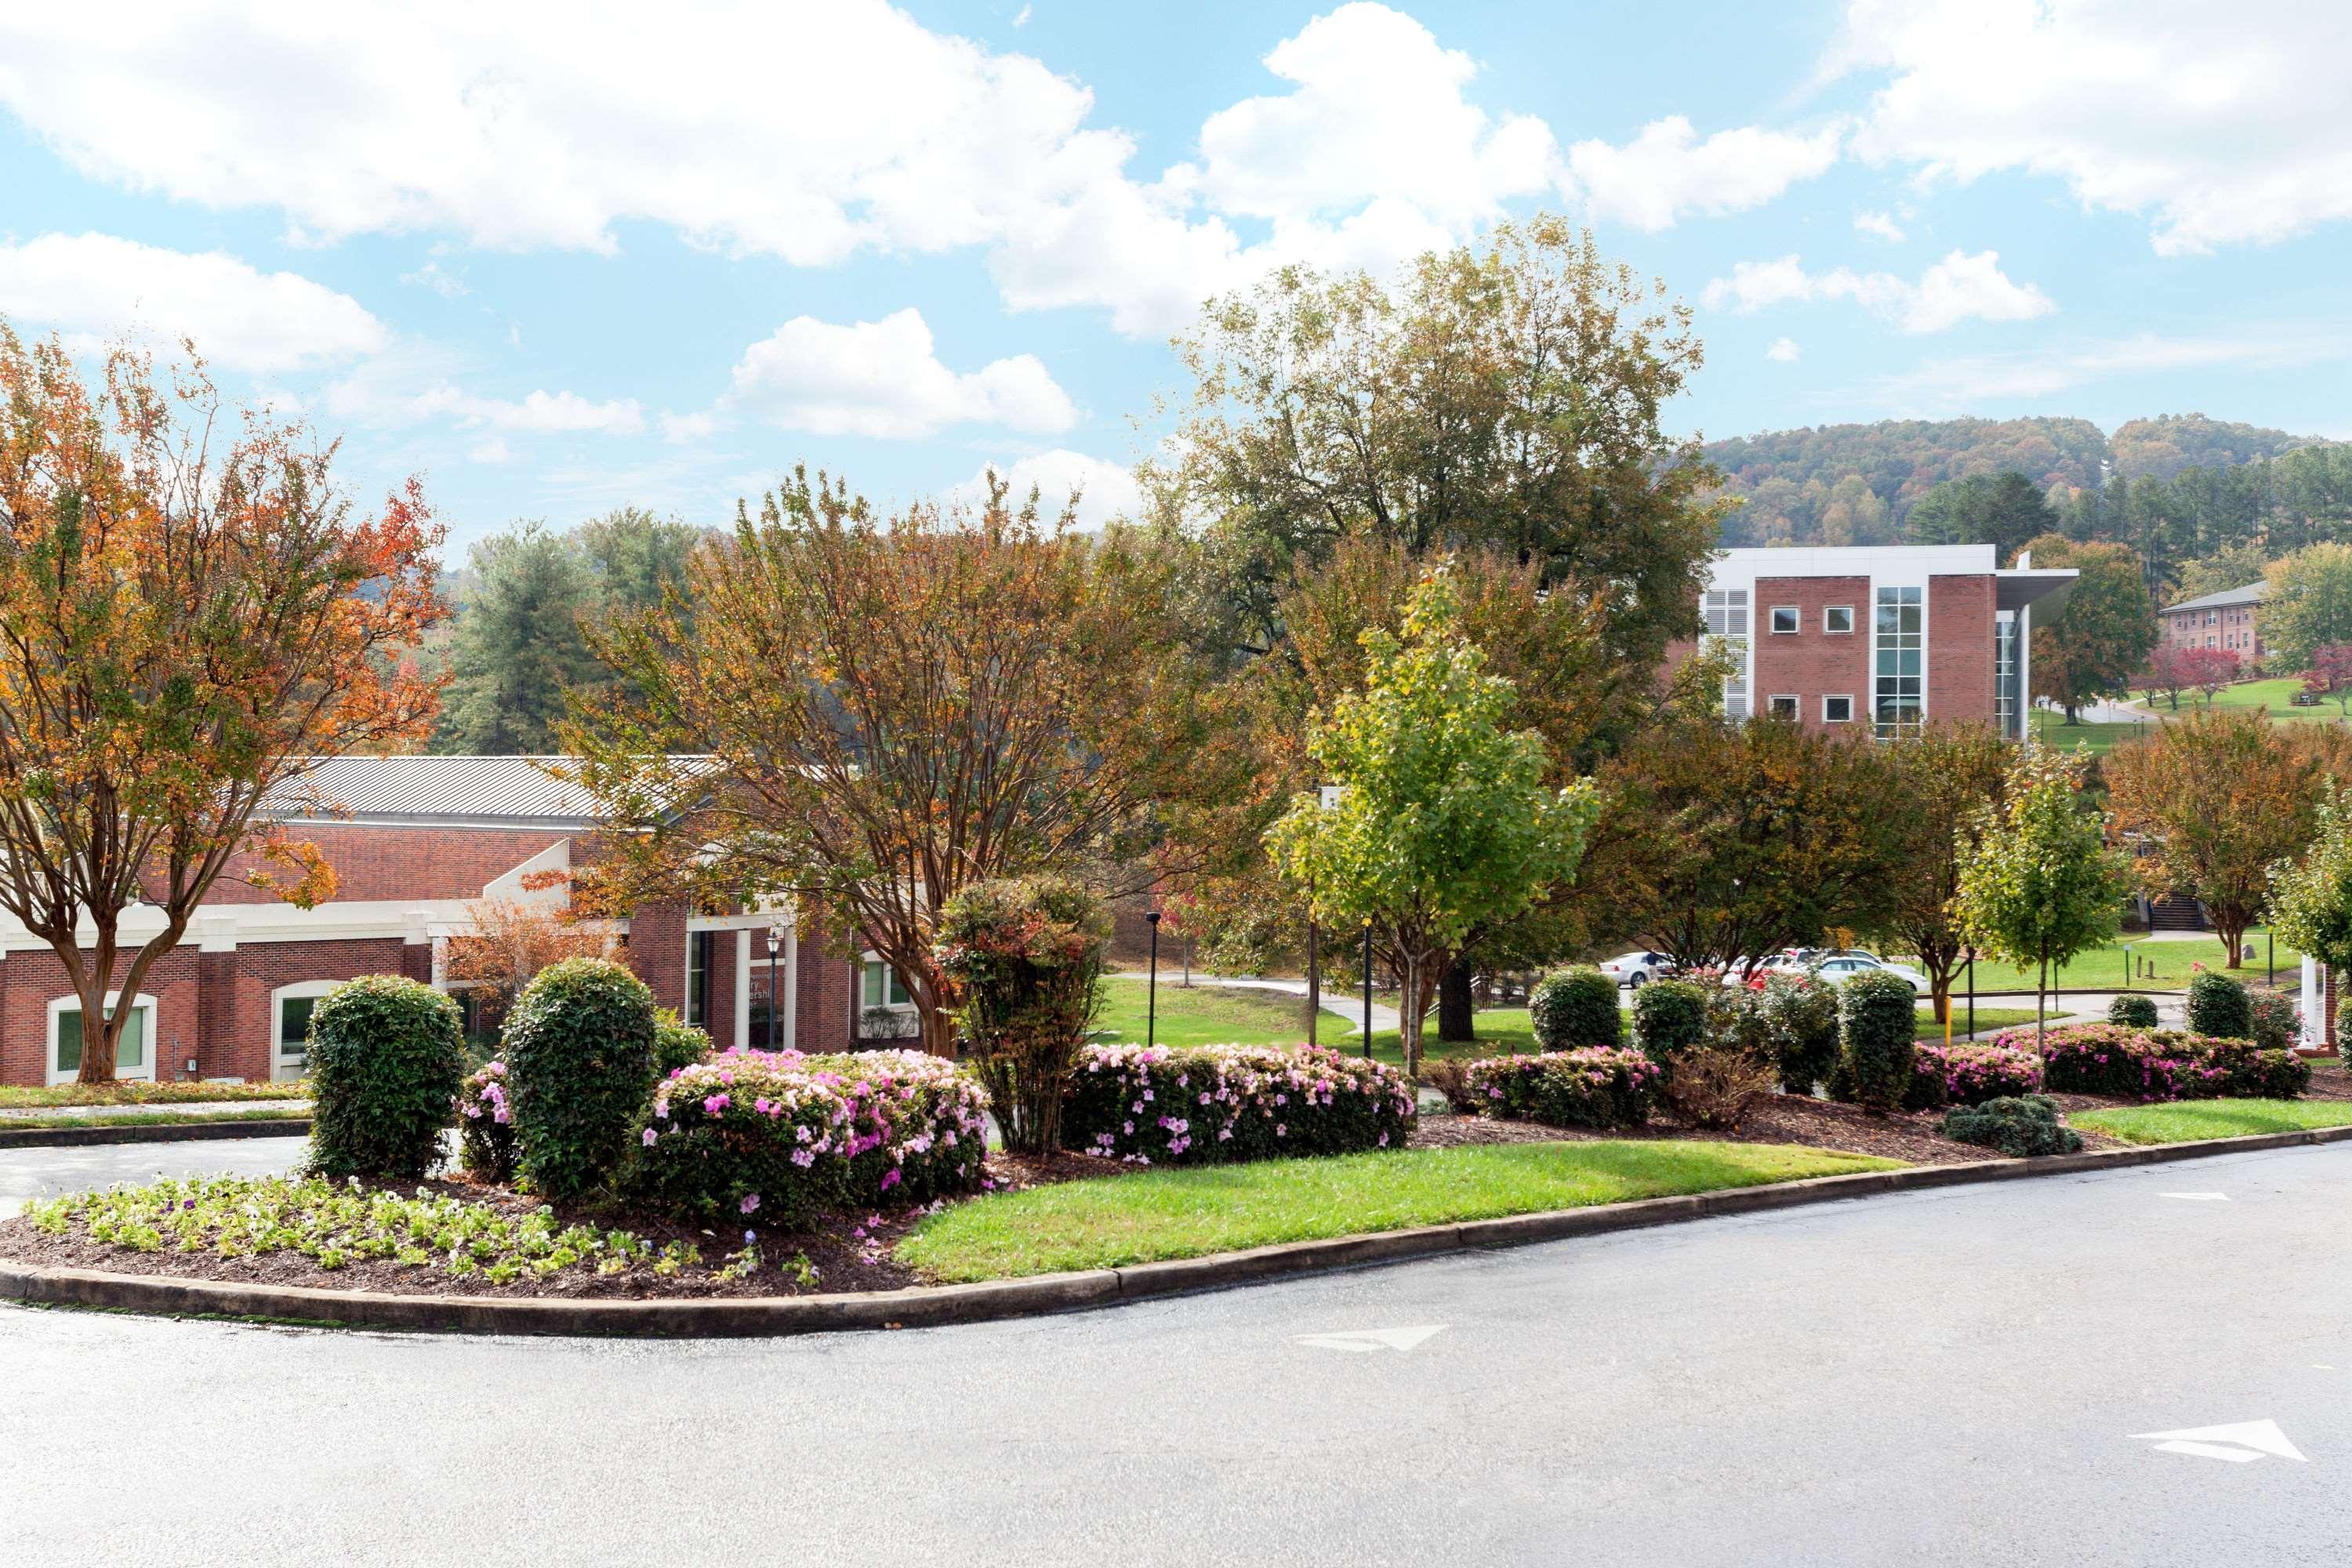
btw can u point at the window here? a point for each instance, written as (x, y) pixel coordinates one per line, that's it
(2005, 707)
(1837, 710)
(289, 1026)
(1724, 611)
(699, 948)
(1898, 686)
(882, 986)
(1783, 707)
(134, 1056)
(1787, 618)
(2212, 617)
(1837, 619)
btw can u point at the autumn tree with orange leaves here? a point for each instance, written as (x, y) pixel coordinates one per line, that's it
(190, 613)
(881, 711)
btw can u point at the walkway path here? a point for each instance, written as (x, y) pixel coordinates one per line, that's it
(1349, 1006)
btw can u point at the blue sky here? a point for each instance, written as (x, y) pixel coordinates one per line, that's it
(559, 259)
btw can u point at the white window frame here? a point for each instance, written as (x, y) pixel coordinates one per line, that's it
(1844, 697)
(143, 1003)
(1829, 631)
(1796, 613)
(890, 981)
(278, 1070)
(1796, 709)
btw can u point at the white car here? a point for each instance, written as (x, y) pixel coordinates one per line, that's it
(1837, 968)
(1635, 969)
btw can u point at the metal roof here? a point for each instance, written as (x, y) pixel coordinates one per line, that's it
(443, 791)
(2251, 594)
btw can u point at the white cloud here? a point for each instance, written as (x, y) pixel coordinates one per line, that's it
(1104, 490)
(449, 285)
(1971, 382)
(1666, 171)
(1878, 226)
(411, 384)
(1783, 351)
(683, 427)
(492, 450)
(883, 379)
(95, 288)
(1020, 18)
(1960, 287)
(2224, 123)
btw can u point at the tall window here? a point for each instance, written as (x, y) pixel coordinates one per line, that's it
(2004, 674)
(699, 948)
(1725, 611)
(1898, 691)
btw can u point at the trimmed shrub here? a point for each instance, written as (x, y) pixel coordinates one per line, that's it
(1600, 1086)
(1197, 1105)
(1024, 955)
(2267, 1075)
(579, 1058)
(1800, 1015)
(676, 1044)
(1967, 1074)
(1877, 1016)
(775, 1137)
(2133, 1010)
(1576, 1009)
(1669, 1017)
(2277, 1022)
(2218, 1008)
(486, 1138)
(2160, 1064)
(2020, 1126)
(387, 1056)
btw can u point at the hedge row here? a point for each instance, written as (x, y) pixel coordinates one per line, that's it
(1600, 1086)
(2160, 1064)
(784, 1136)
(1966, 1074)
(1209, 1104)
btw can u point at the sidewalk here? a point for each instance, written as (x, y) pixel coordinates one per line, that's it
(1348, 1005)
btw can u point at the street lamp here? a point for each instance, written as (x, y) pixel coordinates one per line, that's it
(1151, 986)
(775, 946)
(1368, 990)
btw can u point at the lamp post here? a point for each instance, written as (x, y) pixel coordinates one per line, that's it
(775, 946)
(1368, 989)
(1972, 992)
(1151, 986)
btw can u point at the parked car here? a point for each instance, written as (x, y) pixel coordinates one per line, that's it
(1836, 966)
(1635, 969)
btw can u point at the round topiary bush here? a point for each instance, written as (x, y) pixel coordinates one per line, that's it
(676, 1044)
(2218, 1008)
(1876, 1016)
(387, 1057)
(2133, 1012)
(2023, 1127)
(2277, 1021)
(1575, 1010)
(1800, 1015)
(579, 1049)
(1669, 1018)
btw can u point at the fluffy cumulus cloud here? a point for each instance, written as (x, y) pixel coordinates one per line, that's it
(884, 379)
(1104, 489)
(1668, 171)
(546, 125)
(1878, 226)
(94, 288)
(1960, 287)
(2224, 124)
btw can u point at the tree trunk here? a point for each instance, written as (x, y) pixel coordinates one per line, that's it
(2041, 985)
(2232, 938)
(1456, 1008)
(939, 1030)
(1408, 1017)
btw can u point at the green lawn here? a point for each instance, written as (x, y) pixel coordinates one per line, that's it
(145, 1119)
(19, 1097)
(2102, 968)
(1108, 1221)
(2274, 695)
(2098, 739)
(2191, 1120)
(1208, 1014)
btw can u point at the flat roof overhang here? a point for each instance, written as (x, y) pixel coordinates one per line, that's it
(2046, 589)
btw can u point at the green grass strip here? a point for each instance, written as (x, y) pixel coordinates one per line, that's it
(1150, 1215)
(2194, 1121)
(147, 1118)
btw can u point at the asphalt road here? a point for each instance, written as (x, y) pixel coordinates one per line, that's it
(1957, 1378)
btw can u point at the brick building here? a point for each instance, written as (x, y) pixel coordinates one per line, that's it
(2224, 620)
(417, 844)
(1883, 636)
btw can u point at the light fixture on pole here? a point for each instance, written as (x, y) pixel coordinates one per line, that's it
(1151, 986)
(1368, 992)
(775, 946)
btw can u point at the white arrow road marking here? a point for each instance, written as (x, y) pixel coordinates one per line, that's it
(2240, 1443)
(1370, 1338)
(2198, 1197)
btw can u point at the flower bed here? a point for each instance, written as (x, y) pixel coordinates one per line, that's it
(786, 1136)
(1204, 1104)
(2159, 1064)
(1968, 1074)
(1601, 1087)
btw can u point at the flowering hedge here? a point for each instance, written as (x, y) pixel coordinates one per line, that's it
(486, 1140)
(2160, 1064)
(1206, 1104)
(1967, 1074)
(786, 1136)
(1601, 1087)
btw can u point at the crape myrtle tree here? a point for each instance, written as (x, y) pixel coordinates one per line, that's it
(2330, 675)
(885, 710)
(2216, 798)
(1942, 781)
(2039, 884)
(190, 614)
(1443, 817)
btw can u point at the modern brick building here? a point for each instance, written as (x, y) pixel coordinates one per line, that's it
(2224, 620)
(418, 843)
(1887, 636)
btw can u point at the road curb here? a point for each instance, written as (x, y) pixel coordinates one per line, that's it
(134, 1132)
(939, 1305)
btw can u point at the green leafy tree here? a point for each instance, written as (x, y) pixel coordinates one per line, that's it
(1443, 817)
(1943, 781)
(2311, 898)
(2310, 603)
(2039, 884)
(2103, 636)
(2005, 511)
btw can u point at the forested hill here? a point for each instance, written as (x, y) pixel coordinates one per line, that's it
(1842, 484)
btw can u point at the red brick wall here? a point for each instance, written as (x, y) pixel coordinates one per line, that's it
(35, 978)
(720, 1018)
(241, 1049)
(657, 951)
(1960, 630)
(378, 863)
(1809, 663)
(827, 994)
